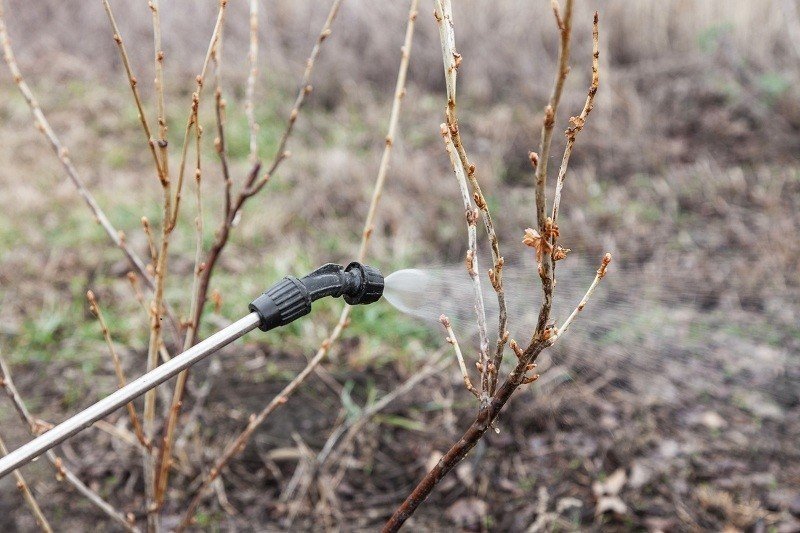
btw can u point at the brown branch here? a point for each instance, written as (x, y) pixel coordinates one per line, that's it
(27, 495)
(472, 263)
(451, 338)
(249, 103)
(486, 417)
(161, 467)
(242, 439)
(151, 143)
(63, 473)
(305, 89)
(452, 59)
(94, 307)
(564, 24)
(158, 59)
(577, 123)
(219, 142)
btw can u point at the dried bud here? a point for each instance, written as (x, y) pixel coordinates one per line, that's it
(560, 253)
(534, 158)
(530, 379)
(444, 320)
(516, 349)
(601, 272)
(479, 200)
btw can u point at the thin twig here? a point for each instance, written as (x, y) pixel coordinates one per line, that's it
(27, 495)
(94, 307)
(241, 440)
(249, 103)
(36, 427)
(219, 142)
(192, 120)
(162, 465)
(451, 338)
(305, 89)
(151, 143)
(564, 23)
(158, 58)
(577, 123)
(471, 215)
(601, 272)
(452, 59)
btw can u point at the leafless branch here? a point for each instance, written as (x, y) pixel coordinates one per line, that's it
(577, 123)
(564, 23)
(94, 307)
(252, 59)
(471, 215)
(305, 89)
(158, 58)
(601, 272)
(452, 59)
(161, 467)
(132, 80)
(451, 338)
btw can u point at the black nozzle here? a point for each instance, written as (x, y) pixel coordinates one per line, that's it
(291, 298)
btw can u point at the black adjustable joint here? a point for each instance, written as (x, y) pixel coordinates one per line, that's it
(291, 298)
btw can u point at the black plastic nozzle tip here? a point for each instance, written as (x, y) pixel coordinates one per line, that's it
(370, 288)
(291, 298)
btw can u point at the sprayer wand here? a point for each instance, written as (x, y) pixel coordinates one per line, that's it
(284, 302)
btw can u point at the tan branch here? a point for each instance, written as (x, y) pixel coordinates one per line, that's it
(545, 225)
(158, 59)
(471, 215)
(305, 89)
(252, 59)
(564, 23)
(94, 307)
(132, 80)
(601, 272)
(451, 338)
(161, 467)
(577, 123)
(452, 59)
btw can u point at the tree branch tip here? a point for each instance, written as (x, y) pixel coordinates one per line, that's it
(534, 159)
(601, 272)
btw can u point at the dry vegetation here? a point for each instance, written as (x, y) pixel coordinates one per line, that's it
(674, 406)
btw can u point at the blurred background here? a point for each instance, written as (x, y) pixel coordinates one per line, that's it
(673, 405)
